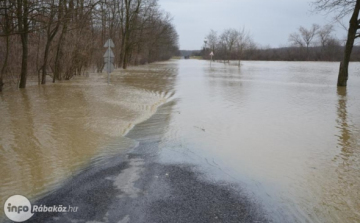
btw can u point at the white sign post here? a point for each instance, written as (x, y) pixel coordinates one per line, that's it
(211, 56)
(109, 58)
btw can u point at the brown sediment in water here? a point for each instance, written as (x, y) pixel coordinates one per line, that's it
(280, 129)
(47, 133)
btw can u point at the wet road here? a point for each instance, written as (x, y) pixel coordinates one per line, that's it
(136, 187)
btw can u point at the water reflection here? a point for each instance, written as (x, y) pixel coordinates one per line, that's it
(344, 137)
(344, 193)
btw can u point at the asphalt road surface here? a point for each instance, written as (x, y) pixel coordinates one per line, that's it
(136, 187)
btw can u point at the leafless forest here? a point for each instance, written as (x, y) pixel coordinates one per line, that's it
(315, 43)
(307, 44)
(63, 38)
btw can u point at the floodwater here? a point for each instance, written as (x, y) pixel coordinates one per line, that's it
(282, 130)
(50, 133)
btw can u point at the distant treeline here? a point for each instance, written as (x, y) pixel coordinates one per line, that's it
(313, 44)
(300, 54)
(63, 38)
(288, 54)
(184, 53)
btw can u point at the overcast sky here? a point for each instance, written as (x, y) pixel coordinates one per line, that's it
(269, 21)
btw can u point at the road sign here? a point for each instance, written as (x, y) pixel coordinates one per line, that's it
(106, 59)
(109, 54)
(110, 43)
(109, 58)
(109, 67)
(211, 56)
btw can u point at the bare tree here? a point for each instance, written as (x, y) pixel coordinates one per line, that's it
(341, 8)
(304, 37)
(344, 8)
(23, 10)
(52, 26)
(212, 37)
(66, 36)
(242, 43)
(132, 8)
(6, 7)
(231, 44)
(296, 40)
(308, 35)
(324, 34)
(228, 40)
(59, 49)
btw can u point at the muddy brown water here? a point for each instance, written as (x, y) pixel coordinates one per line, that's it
(283, 130)
(49, 133)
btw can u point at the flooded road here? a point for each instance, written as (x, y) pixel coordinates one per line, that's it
(281, 130)
(49, 133)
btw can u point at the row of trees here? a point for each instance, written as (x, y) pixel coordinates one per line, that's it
(63, 38)
(315, 43)
(229, 45)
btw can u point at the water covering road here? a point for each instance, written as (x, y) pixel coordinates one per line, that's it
(278, 136)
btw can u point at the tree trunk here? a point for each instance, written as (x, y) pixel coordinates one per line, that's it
(1, 84)
(6, 31)
(37, 60)
(46, 55)
(57, 72)
(128, 20)
(344, 65)
(125, 58)
(3, 69)
(307, 52)
(58, 56)
(122, 50)
(23, 26)
(23, 74)
(126, 43)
